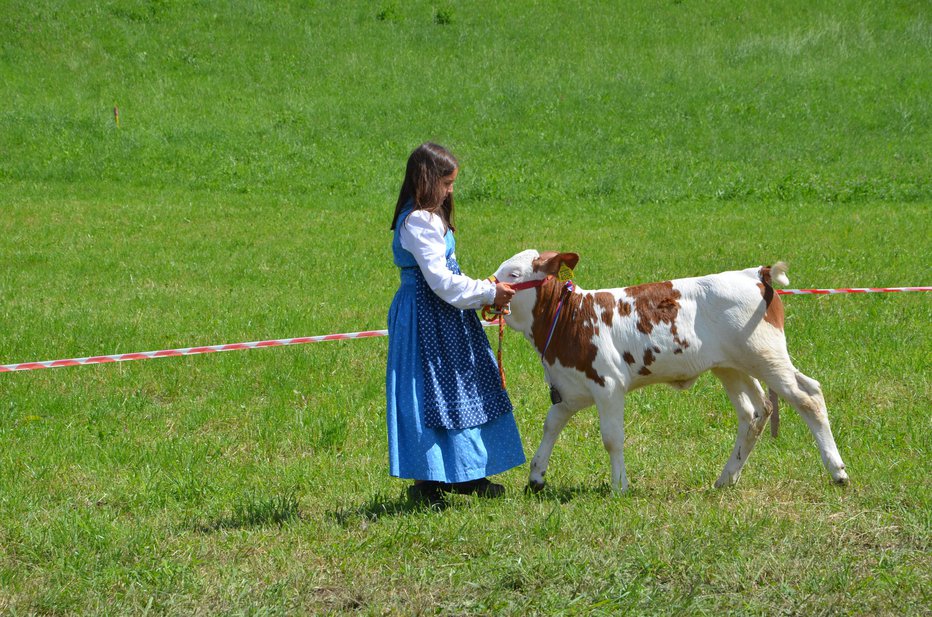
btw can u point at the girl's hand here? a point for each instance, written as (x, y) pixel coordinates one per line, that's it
(503, 294)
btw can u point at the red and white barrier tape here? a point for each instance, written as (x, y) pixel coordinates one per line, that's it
(193, 351)
(848, 290)
(187, 351)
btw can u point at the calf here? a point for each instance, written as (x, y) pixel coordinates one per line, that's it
(596, 346)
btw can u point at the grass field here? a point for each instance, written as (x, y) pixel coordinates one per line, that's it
(246, 194)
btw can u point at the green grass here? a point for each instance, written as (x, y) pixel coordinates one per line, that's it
(246, 195)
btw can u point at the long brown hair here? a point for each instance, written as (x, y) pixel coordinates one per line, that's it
(427, 166)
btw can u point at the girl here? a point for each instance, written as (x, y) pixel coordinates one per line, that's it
(450, 422)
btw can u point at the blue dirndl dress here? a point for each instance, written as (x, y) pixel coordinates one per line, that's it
(449, 419)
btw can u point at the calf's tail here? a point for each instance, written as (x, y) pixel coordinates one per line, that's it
(778, 273)
(769, 275)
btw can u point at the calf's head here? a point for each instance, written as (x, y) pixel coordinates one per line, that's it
(530, 265)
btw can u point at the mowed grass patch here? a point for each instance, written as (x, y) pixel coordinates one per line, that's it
(257, 479)
(246, 196)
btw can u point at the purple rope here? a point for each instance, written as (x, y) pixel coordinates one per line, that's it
(567, 287)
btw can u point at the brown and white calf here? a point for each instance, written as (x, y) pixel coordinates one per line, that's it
(609, 342)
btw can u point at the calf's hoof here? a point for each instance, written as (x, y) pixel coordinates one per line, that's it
(727, 480)
(536, 486)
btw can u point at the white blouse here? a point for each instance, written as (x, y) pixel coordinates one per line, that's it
(422, 234)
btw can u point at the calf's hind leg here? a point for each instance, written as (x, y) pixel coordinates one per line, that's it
(805, 395)
(753, 410)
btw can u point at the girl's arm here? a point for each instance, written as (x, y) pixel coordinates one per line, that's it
(422, 235)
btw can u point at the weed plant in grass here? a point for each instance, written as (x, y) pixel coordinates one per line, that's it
(246, 194)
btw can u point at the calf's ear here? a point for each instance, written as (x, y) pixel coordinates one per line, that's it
(570, 259)
(549, 262)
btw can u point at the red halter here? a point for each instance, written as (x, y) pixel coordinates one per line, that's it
(524, 285)
(530, 284)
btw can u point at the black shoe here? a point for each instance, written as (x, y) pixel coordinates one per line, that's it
(482, 487)
(427, 491)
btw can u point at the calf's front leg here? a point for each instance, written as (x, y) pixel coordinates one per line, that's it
(557, 417)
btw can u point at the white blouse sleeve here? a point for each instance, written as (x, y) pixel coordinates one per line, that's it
(422, 235)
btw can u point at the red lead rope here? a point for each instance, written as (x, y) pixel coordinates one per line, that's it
(493, 315)
(501, 339)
